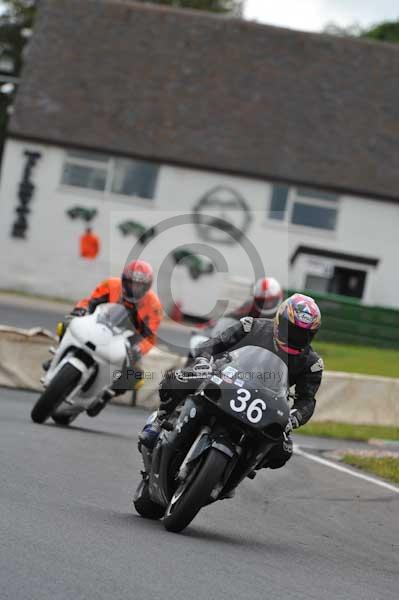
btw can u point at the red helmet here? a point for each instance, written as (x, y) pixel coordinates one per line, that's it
(136, 280)
(268, 296)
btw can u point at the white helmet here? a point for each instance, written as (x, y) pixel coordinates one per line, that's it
(268, 296)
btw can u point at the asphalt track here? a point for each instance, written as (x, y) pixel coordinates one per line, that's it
(26, 314)
(68, 529)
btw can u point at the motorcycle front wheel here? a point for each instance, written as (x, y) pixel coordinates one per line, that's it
(188, 500)
(62, 384)
(62, 419)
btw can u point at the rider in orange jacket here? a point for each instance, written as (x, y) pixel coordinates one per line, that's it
(132, 289)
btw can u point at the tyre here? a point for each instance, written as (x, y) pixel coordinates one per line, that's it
(63, 420)
(144, 505)
(59, 388)
(190, 501)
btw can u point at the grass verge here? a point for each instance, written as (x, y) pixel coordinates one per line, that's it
(359, 359)
(348, 431)
(386, 467)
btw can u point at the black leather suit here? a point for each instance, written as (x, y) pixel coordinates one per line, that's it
(304, 371)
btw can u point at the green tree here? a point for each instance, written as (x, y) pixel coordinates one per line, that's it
(385, 32)
(15, 26)
(353, 30)
(233, 7)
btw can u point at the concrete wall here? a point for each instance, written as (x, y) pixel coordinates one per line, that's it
(47, 261)
(352, 398)
(22, 353)
(343, 397)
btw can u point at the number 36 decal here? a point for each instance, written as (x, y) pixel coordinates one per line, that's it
(254, 410)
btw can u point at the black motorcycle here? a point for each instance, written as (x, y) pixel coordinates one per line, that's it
(221, 434)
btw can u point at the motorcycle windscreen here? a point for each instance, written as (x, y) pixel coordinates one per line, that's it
(260, 367)
(252, 388)
(113, 316)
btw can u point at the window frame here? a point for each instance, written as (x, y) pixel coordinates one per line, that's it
(294, 197)
(107, 163)
(81, 162)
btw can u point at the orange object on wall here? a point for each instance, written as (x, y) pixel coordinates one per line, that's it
(89, 245)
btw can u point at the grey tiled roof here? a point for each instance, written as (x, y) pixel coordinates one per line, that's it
(206, 91)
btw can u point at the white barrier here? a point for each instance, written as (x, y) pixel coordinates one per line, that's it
(343, 397)
(353, 398)
(22, 352)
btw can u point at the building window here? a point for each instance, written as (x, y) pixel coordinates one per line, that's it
(316, 194)
(134, 178)
(348, 282)
(304, 207)
(343, 281)
(314, 216)
(84, 176)
(278, 204)
(106, 174)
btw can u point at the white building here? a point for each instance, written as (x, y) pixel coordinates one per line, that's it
(99, 134)
(307, 239)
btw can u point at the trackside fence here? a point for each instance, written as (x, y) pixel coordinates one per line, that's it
(347, 321)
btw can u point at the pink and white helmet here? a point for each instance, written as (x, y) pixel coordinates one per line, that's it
(268, 296)
(297, 321)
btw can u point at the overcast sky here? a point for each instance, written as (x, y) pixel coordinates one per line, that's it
(312, 15)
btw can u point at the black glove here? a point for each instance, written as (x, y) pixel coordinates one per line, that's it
(78, 312)
(133, 352)
(202, 366)
(293, 421)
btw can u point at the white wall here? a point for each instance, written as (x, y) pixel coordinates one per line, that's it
(47, 262)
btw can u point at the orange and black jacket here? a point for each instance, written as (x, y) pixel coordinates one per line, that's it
(146, 315)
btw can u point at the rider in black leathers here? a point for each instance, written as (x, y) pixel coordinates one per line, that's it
(282, 336)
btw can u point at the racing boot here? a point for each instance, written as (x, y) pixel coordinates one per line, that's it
(100, 403)
(150, 433)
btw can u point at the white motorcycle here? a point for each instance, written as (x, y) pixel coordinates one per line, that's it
(90, 356)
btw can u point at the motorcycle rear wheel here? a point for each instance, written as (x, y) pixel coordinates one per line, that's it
(180, 513)
(58, 389)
